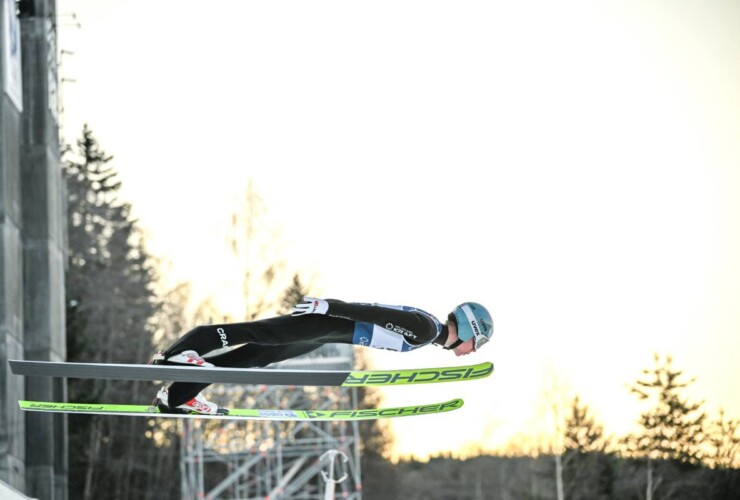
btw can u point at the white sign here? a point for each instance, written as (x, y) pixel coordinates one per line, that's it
(12, 54)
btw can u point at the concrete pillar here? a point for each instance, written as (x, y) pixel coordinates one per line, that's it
(42, 233)
(12, 424)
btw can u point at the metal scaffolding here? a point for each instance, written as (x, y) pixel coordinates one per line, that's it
(231, 459)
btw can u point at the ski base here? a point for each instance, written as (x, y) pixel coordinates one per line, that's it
(350, 378)
(246, 414)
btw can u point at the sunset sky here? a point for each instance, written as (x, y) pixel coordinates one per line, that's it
(572, 165)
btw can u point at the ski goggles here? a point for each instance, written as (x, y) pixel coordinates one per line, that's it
(480, 340)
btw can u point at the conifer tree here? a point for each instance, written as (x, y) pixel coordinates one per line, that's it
(724, 440)
(111, 304)
(588, 472)
(673, 428)
(292, 295)
(582, 432)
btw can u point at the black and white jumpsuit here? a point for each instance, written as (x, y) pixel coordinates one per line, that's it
(262, 342)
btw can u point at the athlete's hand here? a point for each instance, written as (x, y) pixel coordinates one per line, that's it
(310, 305)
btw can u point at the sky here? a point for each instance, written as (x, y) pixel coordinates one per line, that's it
(573, 166)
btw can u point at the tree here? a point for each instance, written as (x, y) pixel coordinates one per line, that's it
(292, 295)
(672, 428)
(582, 432)
(555, 400)
(588, 472)
(111, 305)
(724, 441)
(261, 274)
(254, 244)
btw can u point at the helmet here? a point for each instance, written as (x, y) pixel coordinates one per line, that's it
(473, 321)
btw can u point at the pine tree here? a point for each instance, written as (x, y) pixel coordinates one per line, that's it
(582, 433)
(292, 295)
(672, 434)
(588, 472)
(111, 304)
(724, 440)
(673, 429)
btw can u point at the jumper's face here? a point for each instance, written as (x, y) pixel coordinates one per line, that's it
(463, 349)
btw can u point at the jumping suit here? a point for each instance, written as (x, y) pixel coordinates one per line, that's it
(397, 328)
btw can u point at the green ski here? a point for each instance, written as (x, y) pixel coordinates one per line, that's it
(246, 414)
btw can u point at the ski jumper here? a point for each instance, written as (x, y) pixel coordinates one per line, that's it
(266, 341)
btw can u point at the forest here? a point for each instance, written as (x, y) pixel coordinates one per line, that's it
(116, 312)
(597, 476)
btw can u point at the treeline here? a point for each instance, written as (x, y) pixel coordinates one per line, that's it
(590, 476)
(678, 452)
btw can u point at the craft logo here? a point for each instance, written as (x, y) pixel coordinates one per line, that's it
(222, 334)
(401, 330)
(364, 341)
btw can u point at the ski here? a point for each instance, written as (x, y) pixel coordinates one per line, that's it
(246, 414)
(356, 378)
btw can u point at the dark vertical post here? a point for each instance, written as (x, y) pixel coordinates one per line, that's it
(12, 424)
(43, 229)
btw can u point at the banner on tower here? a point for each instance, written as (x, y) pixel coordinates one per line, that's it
(12, 54)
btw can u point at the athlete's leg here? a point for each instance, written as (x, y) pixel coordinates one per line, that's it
(280, 330)
(256, 356)
(246, 356)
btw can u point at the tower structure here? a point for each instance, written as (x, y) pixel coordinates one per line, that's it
(33, 450)
(277, 460)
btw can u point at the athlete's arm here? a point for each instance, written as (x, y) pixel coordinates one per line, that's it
(415, 327)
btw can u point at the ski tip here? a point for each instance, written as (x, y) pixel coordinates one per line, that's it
(455, 404)
(451, 405)
(419, 376)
